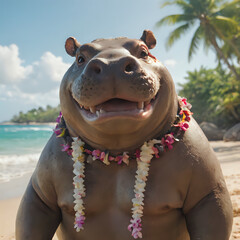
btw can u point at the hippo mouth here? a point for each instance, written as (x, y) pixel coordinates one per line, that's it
(117, 108)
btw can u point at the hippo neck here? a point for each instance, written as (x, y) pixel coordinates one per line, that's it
(116, 144)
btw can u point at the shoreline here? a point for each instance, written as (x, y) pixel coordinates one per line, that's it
(228, 154)
(14, 188)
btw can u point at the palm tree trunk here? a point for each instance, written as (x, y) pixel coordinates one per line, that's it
(221, 55)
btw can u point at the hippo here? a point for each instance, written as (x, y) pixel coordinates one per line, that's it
(124, 161)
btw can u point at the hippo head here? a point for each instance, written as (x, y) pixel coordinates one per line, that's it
(116, 95)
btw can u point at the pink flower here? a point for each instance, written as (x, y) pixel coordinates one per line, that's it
(102, 156)
(138, 154)
(183, 103)
(168, 140)
(119, 159)
(96, 154)
(110, 158)
(57, 131)
(80, 221)
(135, 227)
(185, 112)
(155, 150)
(58, 120)
(66, 148)
(184, 126)
(88, 151)
(187, 119)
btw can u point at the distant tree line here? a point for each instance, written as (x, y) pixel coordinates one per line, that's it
(41, 115)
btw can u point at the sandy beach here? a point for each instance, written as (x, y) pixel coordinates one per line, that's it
(228, 154)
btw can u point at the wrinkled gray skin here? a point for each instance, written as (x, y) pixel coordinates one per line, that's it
(186, 196)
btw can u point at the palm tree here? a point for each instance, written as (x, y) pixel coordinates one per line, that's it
(231, 47)
(212, 26)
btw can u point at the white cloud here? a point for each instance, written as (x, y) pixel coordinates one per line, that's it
(53, 66)
(28, 86)
(170, 62)
(11, 69)
(46, 75)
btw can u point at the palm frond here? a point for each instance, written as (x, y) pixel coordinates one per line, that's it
(175, 2)
(173, 19)
(228, 9)
(207, 34)
(198, 35)
(176, 34)
(198, 5)
(234, 3)
(212, 4)
(182, 4)
(225, 26)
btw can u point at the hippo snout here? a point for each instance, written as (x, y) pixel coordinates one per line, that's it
(101, 68)
(104, 79)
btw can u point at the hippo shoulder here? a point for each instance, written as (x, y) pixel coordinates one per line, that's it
(47, 170)
(206, 174)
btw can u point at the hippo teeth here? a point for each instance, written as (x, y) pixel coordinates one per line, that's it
(92, 109)
(140, 105)
(102, 111)
(116, 105)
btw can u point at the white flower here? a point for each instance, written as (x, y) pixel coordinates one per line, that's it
(78, 179)
(139, 187)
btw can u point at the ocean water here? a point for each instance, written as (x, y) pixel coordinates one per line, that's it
(20, 148)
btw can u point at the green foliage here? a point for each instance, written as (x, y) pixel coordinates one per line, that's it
(37, 115)
(214, 94)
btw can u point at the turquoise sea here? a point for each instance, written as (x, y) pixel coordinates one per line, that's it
(20, 148)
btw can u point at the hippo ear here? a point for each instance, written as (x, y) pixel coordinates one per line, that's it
(71, 46)
(149, 38)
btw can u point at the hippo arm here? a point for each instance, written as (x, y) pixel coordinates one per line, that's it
(211, 218)
(207, 207)
(38, 215)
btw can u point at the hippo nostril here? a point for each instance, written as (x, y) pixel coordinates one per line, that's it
(129, 65)
(97, 69)
(129, 68)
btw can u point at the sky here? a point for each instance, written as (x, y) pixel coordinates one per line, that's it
(33, 33)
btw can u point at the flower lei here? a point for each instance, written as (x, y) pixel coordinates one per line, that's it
(75, 148)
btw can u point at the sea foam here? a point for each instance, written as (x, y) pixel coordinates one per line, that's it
(20, 129)
(13, 166)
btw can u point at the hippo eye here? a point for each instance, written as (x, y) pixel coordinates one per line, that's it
(80, 59)
(144, 54)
